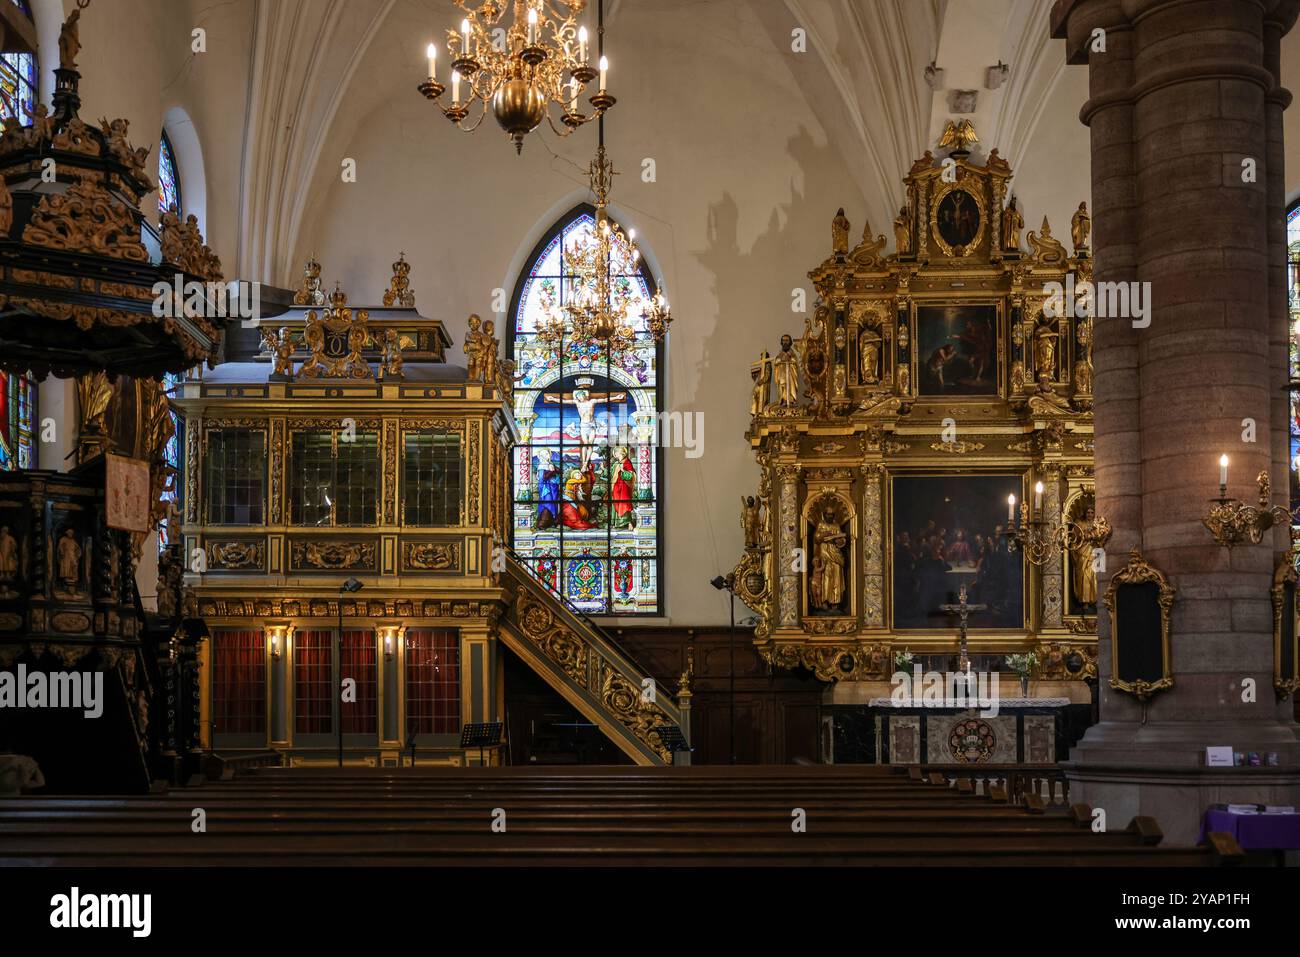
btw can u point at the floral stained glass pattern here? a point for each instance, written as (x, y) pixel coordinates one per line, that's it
(586, 472)
(169, 183)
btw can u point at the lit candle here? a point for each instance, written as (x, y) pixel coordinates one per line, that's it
(582, 44)
(532, 26)
(1038, 496)
(455, 86)
(464, 38)
(1011, 508)
(433, 62)
(604, 71)
(573, 95)
(388, 644)
(1223, 470)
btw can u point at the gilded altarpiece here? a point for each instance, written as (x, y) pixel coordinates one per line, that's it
(928, 384)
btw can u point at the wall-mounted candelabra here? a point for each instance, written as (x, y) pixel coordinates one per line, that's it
(1232, 522)
(1042, 541)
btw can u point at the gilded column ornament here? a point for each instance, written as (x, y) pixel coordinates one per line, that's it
(390, 453)
(1053, 572)
(788, 575)
(276, 491)
(192, 453)
(474, 491)
(873, 554)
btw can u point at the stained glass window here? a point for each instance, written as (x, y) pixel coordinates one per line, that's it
(169, 183)
(587, 470)
(18, 80)
(1293, 297)
(171, 494)
(17, 418)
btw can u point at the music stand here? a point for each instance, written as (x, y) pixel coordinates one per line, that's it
(672, 738)
(486, 734)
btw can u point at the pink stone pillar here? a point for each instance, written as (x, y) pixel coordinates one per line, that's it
(1184, 91)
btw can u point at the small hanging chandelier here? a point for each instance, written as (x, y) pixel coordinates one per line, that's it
(541, 57)
(599, 306)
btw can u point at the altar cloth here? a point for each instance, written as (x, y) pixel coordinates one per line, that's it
(1280, 832)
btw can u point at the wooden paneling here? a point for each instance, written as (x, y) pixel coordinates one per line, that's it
(776, 712)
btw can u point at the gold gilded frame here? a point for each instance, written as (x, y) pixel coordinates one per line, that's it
(1028, 579)
(964, 184)
(1139, 571)
(1284, 575)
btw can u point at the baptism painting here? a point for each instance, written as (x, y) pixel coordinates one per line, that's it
(957, 349)
(948, 532)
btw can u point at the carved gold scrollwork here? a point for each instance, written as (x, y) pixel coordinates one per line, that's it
(86, 219)
(333, 555)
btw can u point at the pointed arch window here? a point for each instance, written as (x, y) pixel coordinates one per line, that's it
(587, 475)
(169, 181)
(18, 80)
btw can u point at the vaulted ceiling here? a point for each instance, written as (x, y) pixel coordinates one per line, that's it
(863, 78)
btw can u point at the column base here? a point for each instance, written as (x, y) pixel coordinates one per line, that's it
(1158, 770)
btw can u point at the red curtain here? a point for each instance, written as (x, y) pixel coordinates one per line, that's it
(433, 681)
(313, 685)
(361, 717)
(238, 682)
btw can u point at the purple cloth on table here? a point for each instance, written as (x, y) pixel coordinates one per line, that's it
(1255, 831)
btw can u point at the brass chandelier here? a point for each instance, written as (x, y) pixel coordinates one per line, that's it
(598, 307)
(540, 58)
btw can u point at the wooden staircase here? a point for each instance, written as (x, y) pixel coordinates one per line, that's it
(585, 665)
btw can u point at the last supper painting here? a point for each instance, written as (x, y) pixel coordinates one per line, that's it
(949, 532)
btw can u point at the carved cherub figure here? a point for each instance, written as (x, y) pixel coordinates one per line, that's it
(281, 347)
(392, 354)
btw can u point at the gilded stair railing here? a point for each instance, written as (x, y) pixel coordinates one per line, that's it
(585, 664)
